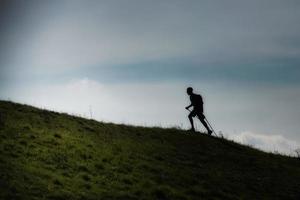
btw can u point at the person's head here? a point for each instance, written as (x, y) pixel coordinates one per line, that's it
(189, 90)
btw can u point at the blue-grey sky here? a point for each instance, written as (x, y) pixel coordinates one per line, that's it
(130, 62)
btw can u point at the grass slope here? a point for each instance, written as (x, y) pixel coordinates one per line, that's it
(48, 155)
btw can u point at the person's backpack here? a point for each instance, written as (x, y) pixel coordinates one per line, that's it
(197, 100)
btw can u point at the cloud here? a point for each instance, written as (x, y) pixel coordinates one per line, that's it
(269, 143)
(60, 36)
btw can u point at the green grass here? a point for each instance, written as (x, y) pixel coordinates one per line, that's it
(49, 155)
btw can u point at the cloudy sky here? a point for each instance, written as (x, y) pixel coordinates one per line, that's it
(130, 62)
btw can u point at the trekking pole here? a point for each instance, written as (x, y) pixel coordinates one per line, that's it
(210, 126)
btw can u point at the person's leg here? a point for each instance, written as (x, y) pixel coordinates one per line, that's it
(191, 115)
(201, 118)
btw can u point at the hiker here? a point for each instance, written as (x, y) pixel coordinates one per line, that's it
(197, 104)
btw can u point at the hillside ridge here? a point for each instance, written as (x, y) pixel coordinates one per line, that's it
(51, 155)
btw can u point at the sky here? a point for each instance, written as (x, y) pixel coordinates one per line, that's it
(130, 62)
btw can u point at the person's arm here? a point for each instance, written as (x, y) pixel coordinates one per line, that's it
(188, 106)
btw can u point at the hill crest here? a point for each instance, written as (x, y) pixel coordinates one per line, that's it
(50, 155)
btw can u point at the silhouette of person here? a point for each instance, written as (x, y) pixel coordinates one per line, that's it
(197, 104)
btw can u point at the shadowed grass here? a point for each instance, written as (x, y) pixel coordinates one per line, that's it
(49, 155)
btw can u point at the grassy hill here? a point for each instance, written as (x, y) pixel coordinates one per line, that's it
(49, 155)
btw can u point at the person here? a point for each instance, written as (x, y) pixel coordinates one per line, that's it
(197, 104)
